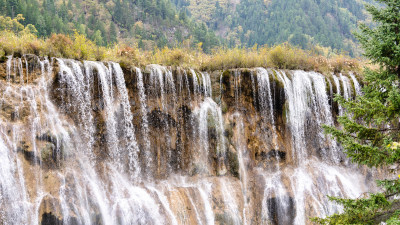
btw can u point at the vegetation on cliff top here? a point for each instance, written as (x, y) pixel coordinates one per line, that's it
(17, 39)
(370, 131)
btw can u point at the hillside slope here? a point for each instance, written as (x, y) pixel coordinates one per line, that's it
(194, 23)
(301, 22)
(149, 23)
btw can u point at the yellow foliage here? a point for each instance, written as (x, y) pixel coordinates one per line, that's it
(24, 43)
(8, 24)
(283, 56)
(139, 24)
(82, 47)
(394, 145)
(59, 45)
(174, 57)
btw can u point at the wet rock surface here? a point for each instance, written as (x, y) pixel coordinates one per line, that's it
(94, 143)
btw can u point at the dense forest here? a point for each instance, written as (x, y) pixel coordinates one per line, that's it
(198, 24)
(329, 23)
(150, 24)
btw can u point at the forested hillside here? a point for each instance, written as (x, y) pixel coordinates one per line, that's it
(150, 24)
(301, 22)
(198, 24)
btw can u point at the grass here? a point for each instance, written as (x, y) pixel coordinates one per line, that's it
(77, 46)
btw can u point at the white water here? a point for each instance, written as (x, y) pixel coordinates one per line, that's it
(96, 176)
(209, 116)
(356, 84)
(145, 123)
(265, 101)
(127, 118)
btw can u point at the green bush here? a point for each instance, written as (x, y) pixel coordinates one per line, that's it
(18, 40)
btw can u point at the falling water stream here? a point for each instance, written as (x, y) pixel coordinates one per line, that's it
(93, 143)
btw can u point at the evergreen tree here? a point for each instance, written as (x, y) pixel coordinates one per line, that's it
(371, 128)
(113, 33)
(97, 38)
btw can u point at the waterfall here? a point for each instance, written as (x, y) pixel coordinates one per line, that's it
(128, 129)
(145, 123)
(9, 60)
(338, 91)
(106, 89)
(276, 200)
(265, 101)
(12, 197)
(95, 143)
(196, 87)
(77, 83)
(356, 84)
(210, 116)
(243, 162)
(347, 92)
(297, 91)
(206, 84)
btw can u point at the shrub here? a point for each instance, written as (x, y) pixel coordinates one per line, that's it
(222, 58)
(23, 43)
(341, 63)
(283, 56)
(174, 57)
(59, 45)
(2, 53)
(83, 48)
(276, 57)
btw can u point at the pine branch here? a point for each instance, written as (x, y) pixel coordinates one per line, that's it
(385, 215)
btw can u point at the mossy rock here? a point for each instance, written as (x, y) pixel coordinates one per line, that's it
(53, 149)
(224, 107)
(197, 169)
(225, 77)
(246, 73)
(279, 216)
(225, 218)
(3, 58)
(46, 153)
(211, 121)
(50, 219)
(233, 162)
(285, 110)
(228, 133)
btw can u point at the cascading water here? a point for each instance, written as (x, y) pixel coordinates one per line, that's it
(145, 123)
(357, 86)
(128, 132)
(265, 101)
(93, 143)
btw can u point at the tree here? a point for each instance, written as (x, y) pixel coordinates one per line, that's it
(370, 133)
(113, 33)
(97, 38)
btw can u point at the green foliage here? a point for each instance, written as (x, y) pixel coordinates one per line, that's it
(60, 45)
(78, 46)
(394, 220)
(370, 133)
(286, 57)
(106, 22)
(301, 22)
(359, 211)
(14, 25)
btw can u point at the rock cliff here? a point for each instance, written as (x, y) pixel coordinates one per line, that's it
(94, 143)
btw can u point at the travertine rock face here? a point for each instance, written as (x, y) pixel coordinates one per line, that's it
(94, 143)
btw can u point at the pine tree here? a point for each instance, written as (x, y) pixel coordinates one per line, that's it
(113, 33)
(97, 38)
(371, 128)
